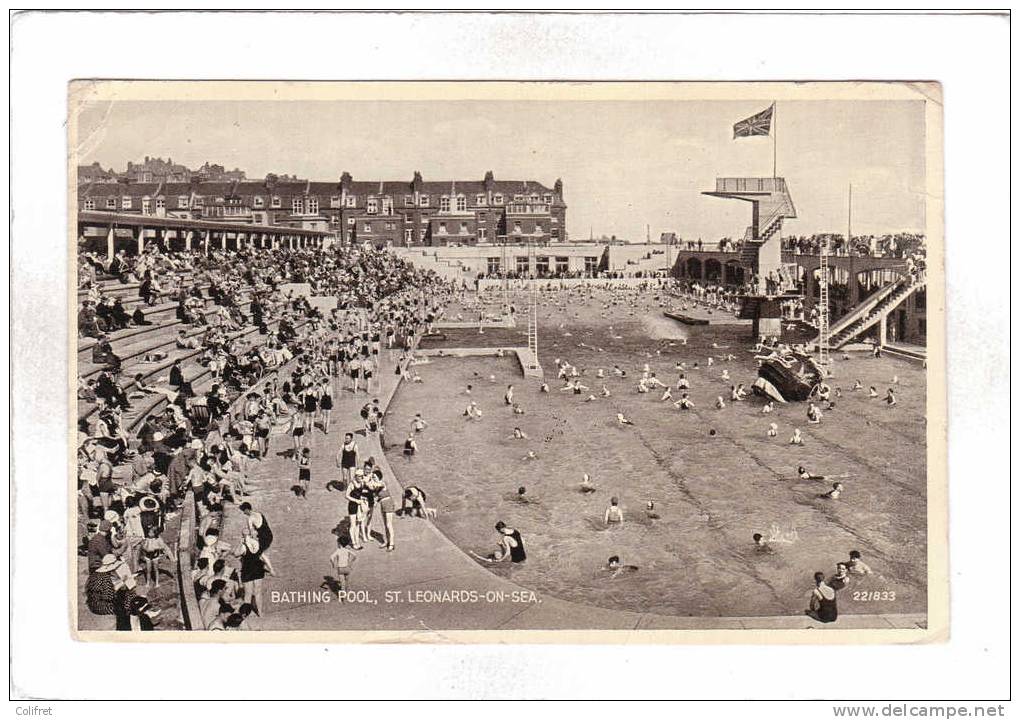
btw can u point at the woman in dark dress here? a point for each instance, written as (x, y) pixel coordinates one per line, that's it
(254, 567)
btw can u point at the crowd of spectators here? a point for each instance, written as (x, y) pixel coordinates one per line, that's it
(132, 483)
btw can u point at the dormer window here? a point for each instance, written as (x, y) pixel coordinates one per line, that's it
(461, 203)
(479, 200)
(549, 199)
(277, 202)
(497, 199)
(125, 202)
(408, 200)
(423, 200)
(334, 201)
(89, 204)
(444, 204)
(111, 203)
(257, 201)
(372, 207)
(351, 201)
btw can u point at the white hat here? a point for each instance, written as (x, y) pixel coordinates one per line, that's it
(111, 515)
(196, 444)
(110, 561)
(157, 436)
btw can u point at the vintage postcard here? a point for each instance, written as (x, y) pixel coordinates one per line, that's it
(507, 362)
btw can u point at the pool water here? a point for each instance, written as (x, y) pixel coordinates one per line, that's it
(711, 493)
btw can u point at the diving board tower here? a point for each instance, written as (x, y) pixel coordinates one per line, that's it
(761, 251)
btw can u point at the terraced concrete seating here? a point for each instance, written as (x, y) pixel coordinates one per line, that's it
(135, 341)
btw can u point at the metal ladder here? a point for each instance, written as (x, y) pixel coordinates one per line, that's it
(533, 309)
(823, 303)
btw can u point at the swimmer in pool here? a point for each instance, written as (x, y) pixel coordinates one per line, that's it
(605, 391)
(650, 512)
(858, 385)
(684, 403)
(518, 434)
(767, 407)
(761, 545)
(586, 484)
(719, 404)
(668, 395)
(890, 399)
(622, 420)
(796, 439)
(615, 569)
(614, 513)
(837, 490)
(530, 456)
(773, 430)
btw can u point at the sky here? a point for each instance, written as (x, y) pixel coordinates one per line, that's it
(628, 167)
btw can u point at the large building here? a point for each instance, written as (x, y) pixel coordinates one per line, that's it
(413, 213)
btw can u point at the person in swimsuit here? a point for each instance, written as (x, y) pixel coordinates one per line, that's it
(304, 462)
(347, 458)
(511, 546)
(413, 502)
(613, 514)
(386, 505)
(410, 447)
(341, 562)
(418, 424)
(153, 547)
(325, 405)
(255, 566)
(355, 508)
(257, 525)
(587, 486)
(823, 601)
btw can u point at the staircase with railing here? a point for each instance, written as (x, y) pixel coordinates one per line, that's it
(874, 309)
(772, 224)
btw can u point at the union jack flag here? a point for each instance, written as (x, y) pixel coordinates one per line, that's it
(760, 124)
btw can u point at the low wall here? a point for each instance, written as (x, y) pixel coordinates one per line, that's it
(569, 283)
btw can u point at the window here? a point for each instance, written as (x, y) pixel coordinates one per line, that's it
(350, 221)
(182, 201)
(423, 200)
(89, 204)
(442, 228)
(334, 201)
(297, 206)
(479, 199)
(258, 202)
(533, 198)
(482, 233)
(160, 203)
(351, 201)
(523, 266)
(373, 206)
(313, 206)
(461, 204)
(423, 232)
(391, 226)
(518, 198)
(463, 229)
(548, 199)
(542, 265)
(555, 220)
(921, 300)
(111, 203)
(517, 228)
(538, 228)
(562, 264)
(125, 202)
(408, 200)
(497, 199)
(368, 227)
(408, 235)
(387, 206)
(492, 265)
(277, 202)
(407, 217)
(444, 204)
(146, 206)
(556, 233)
(591, 265)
